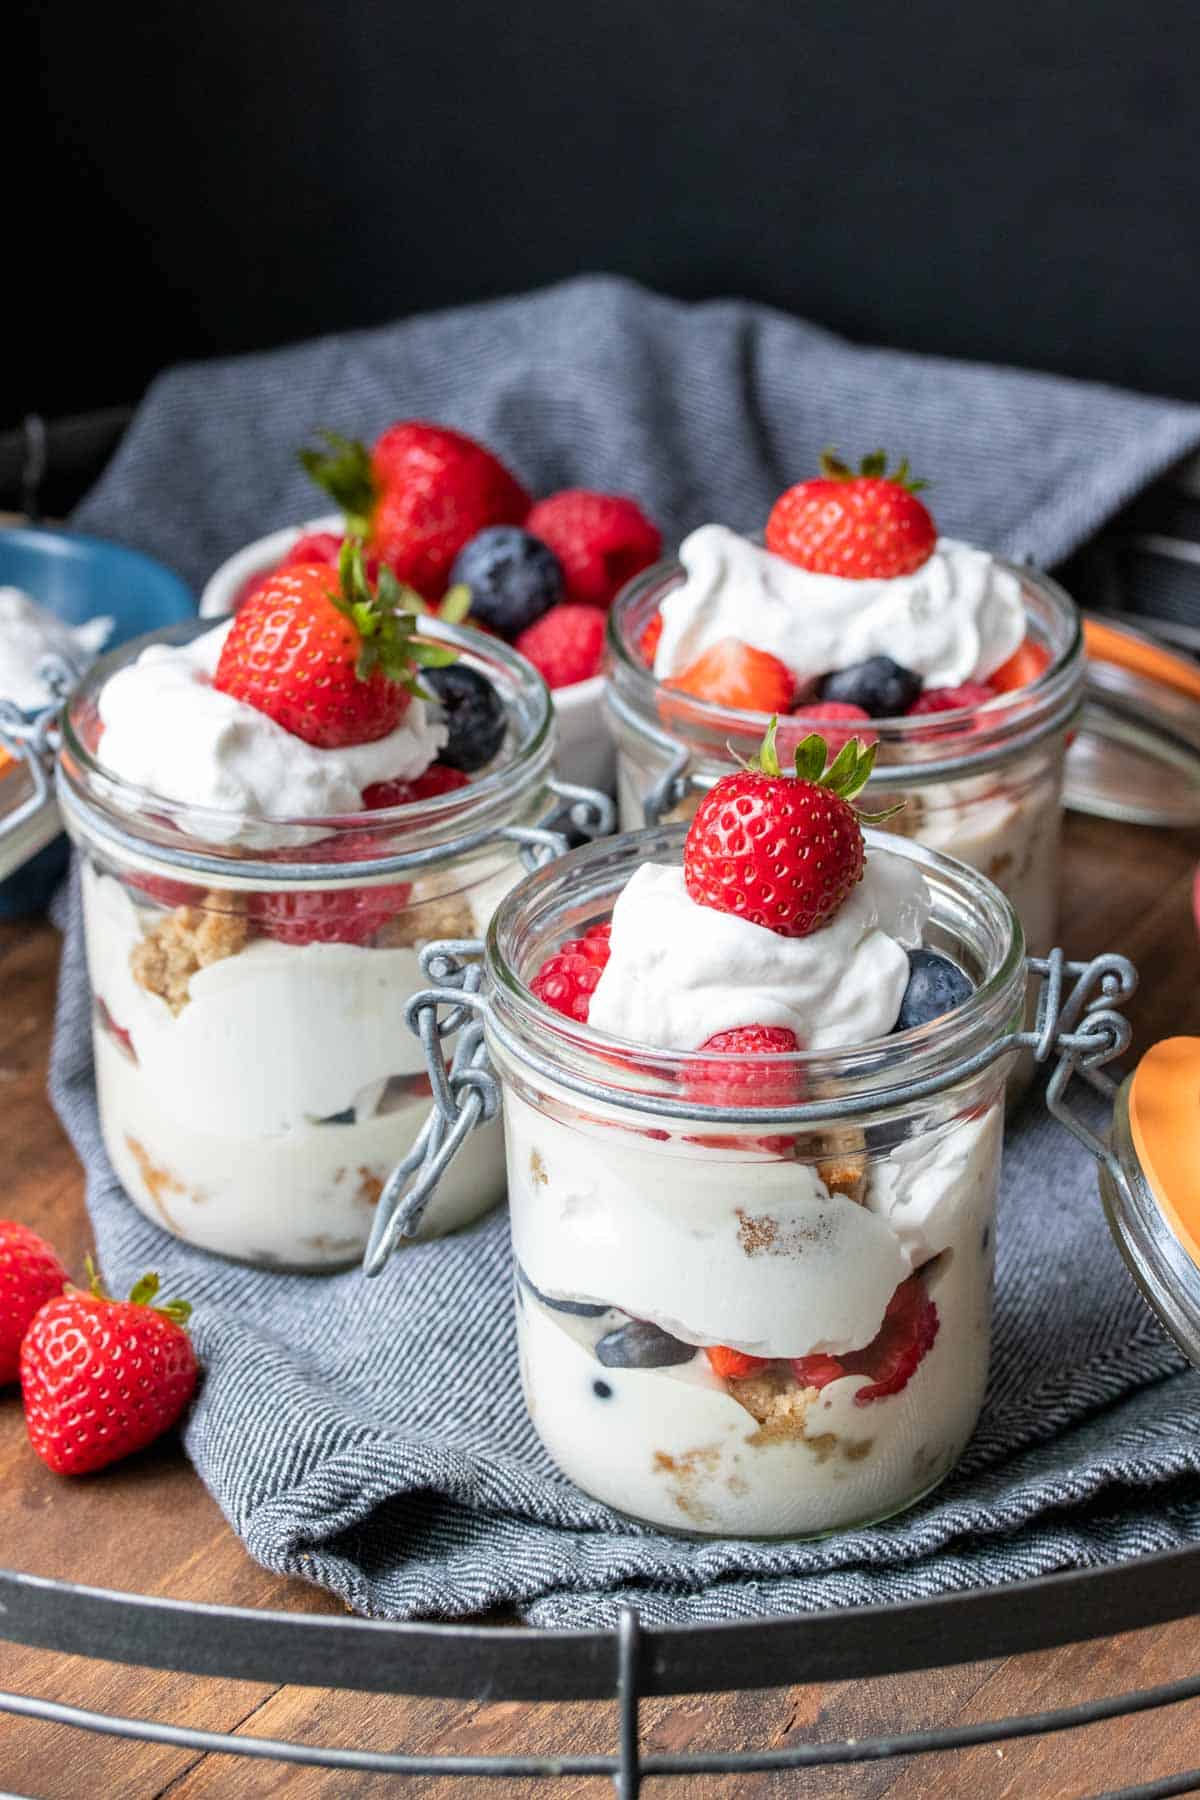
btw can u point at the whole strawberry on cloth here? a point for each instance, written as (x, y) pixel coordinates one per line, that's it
(326, 654)
(782, 850)
(30, 1274)
(101, 1378)
(417, 495)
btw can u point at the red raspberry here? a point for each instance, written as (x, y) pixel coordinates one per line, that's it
(816, 1371)
(594, 944)
(166, 891)
(746, 1083)
(330, 915)
(949, 699)
(566, 982)
(436, 780)
(601, 540)
(894, 1354)
(316, 547)
(824, 712)
(566, 644)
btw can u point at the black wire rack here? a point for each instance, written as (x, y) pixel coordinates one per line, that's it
(626, 1665)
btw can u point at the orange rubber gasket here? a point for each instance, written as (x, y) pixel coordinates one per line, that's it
(1164, 1122)
(1108, 643)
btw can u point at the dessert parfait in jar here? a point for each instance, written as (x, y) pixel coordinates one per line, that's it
(273, 814)
(752, 1075)
(854, 615)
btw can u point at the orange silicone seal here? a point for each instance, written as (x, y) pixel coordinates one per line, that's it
(1164, 1122)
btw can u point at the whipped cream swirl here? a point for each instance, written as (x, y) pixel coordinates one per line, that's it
(956, 618)
(169, 730)
(680, 972)
(30, 638)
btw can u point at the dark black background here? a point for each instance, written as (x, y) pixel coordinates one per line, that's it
(1011, 182)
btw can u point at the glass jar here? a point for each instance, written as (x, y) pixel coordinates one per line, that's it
(255, 1087)
(983, 784)
(751, 1321)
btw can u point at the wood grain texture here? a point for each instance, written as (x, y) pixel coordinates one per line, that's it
(150, 1525)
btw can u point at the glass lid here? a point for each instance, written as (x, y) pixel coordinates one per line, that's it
(1136, 752)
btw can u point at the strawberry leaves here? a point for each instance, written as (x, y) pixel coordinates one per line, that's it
(873, 466)
(386, 617)
(845, 776)
(142, 1293)
(343, 470)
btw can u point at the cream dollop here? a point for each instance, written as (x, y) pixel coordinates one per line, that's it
(680, 972)
(30, 637)
(957, 618)
(169, 730)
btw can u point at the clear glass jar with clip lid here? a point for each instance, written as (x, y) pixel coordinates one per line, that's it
(250, 969)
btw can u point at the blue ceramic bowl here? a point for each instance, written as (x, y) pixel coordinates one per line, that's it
(77, 577)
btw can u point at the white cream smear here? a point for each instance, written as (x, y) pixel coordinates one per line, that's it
(168, 730)
(956, 618)
(29, 637)
(680, 972)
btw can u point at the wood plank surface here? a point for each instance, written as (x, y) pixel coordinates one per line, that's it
(150, 1526)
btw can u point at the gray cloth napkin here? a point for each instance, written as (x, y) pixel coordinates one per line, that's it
(371, 1435)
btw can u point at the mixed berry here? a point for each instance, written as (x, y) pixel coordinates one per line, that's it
(864, 525)
(445, 516)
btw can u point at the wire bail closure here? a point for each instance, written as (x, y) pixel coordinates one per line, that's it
(32, 738)
(1086, 1029)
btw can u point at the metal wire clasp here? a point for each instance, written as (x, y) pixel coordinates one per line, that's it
(1086, 1030)
(32, 739)
(465, 1093)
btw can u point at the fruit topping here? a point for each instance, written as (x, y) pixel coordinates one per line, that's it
(731, 673)
(883, 688)
(731, 1365)
(513, 578)
(30, 1274)
(951, 699)
(750, 1083)
(864, 526)
(319, 547)
(935, 987)
(346, 915)
(648, 642)
(601, 540)
(909, 1327)
(431, 784)
(566, 982)
(418, 496)
(779, 850)
(472, 712)
(325, 655)
(641, 1345)
(566, 644)
(816, 1371)
(1027, 663)
(827, 713)
(101, 1378)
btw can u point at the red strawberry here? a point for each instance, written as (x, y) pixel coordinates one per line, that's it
(828, 712)
(418, 496)
(30, 1274)
(101, 1378)
(326, 656)
(778, 850)
(1027, 662)
(865, 526)
(431, 784)
(315, 547)
(648, 642)
(601, 540)
(731, 673)
(729, 1364)
(566, 644)
(346, 915)
(567, 980)
(909, 1327)
(950, 699)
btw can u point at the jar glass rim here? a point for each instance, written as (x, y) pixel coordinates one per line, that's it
(588, 879)
(966, 735)
(116, 807)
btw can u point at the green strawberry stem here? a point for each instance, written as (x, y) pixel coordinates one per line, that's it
(845, 776)
(385, 618)
(141, 1294)
(874, 466)
(343, 470)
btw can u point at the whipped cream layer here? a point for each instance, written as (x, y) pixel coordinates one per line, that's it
(30, 637)
(680, 972)
(956, 618)
(169, 730)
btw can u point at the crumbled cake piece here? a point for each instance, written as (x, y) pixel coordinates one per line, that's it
(441, 916)
(845, 1175)
(188, 939)
(777, 1401)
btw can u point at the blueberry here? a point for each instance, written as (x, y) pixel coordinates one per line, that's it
(602, 1390)
(880, 686)
(473, 711)
(641, 1345)
(513, 577)
(348, 1117)
(935, 986)
(582, 1309)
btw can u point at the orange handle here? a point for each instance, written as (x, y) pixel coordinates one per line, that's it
(1108, 643)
